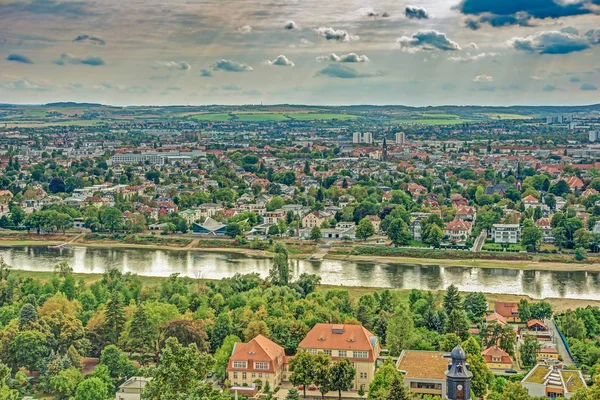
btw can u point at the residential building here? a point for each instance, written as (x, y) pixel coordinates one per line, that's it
(315, 218)
(552, 382)
(132, 388)
(506, 233)
(508, 310)
(496, 358)
(375, 220)
(530, 201)
(457, 230)
(260, 358)
(353, 342)
(415, 226)
(400, 138)
(272, 217)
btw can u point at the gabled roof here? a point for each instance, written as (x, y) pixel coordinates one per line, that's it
(507, 309)
(458, 225)
(340, 337)
(259, 349)
(493, 353)
(530, 198)
(495, 317)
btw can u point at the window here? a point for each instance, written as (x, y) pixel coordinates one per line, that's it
(328, 352)
(363, 375)
(260, 374)
(239, 364)
(235, 375)
(243, 375)
(253, 375)
(261, 365)
(313, 352)
(342, 353)
(360, 354)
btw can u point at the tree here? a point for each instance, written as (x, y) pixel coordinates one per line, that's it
(279, 273)
(187, 332)
(475, 306)
(315, 234)
(114, 317)
(379, 387)
(233, 229)
(57, 185)
(6, 393)
(322, 373)
(529, 350)
(482, 376)
(27, 316)
(531, 238)
(302, 366)
(452, 299)
(541, 310)
(524, 310)
(111, 218)
(29, 349)
(222, 356)
(140, 335)
(180, 371)
(254, 329)
(292, 394)
(400, 331)
(398, 232)
(398, 391)
(580, 254)
(117, 364)
(365, 229)
(65, 382)
(342, 376)
(92, 389)
(449, 341)
(457, 323)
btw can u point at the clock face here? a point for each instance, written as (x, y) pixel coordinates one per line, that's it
(460, 387)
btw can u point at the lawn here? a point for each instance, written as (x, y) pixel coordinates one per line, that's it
(319, 116)
(502, 116)
(434, 115)
(431, 121)
(261, 117)
(211, 117)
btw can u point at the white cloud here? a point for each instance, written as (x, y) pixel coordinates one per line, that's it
(426, 40)
(476, 57)
(346, 58)
(281, 61)
(483, 78)
(244, 30)
(336, 34)
(178, 65)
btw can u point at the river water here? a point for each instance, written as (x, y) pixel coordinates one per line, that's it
(208, 265)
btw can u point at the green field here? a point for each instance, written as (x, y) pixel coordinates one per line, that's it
(34, 124)
(431, 121)
(440, 116)
(211, 117)
(319, 116)
(262, 117)
(502, 116)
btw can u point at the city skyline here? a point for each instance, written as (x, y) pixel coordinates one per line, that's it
(336, 53)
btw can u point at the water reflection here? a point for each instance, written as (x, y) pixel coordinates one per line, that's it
(538, 284)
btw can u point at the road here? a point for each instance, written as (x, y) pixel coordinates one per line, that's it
(478, 244)
(560, 346)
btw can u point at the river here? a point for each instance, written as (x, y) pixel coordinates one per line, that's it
(209, 265)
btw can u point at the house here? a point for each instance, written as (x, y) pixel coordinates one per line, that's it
(547, 353)
(530, 201)
(537, 326)
(509, 310)
(574, 183)
(272, 217)
(424, 371)
(466, 213)
(544, 225)
(495, 318)
(209, 210)
(551, 382)
(209, 227)
(353, 342)
(315, 218)
(132, 388)
(496, 358)
(457, 230)
(500, 188)
(375, 220)
(506, 233)
(260, 358)
(416, 227)
(190, 215)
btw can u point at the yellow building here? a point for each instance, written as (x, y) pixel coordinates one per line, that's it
(496, 358)
(353, 342)
(259, 359)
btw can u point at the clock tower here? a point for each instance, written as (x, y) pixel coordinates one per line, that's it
(458, 377)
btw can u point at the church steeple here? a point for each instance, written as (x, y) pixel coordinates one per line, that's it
(458, 376)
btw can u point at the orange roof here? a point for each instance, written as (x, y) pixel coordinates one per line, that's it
(574, 182)
(341, 337)
(259, 349)
(458, 225)
(495, 317)
(534, 322)
(530, 198)
(492, 354)
(510, 309)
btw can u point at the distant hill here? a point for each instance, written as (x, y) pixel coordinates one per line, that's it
(73, 104)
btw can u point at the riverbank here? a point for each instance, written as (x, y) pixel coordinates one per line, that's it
(558, 304)
(296, 251)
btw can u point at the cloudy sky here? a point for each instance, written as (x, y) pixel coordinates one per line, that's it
(424, 52)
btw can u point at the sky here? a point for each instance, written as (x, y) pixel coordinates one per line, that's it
(321, 52)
